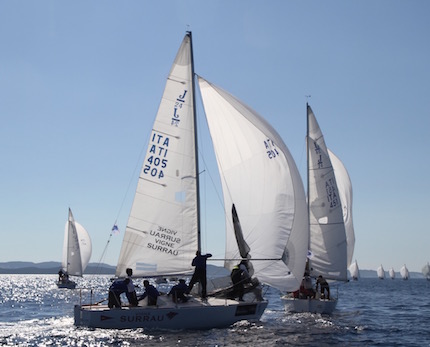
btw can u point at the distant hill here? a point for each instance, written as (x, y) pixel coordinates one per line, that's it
(50, 267)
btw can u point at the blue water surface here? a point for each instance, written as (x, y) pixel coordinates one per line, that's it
(370, 312)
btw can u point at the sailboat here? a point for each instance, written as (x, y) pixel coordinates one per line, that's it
(404, 272)
(392, 273)
(163, 229)
(354, 270)
(76, 252)
(426, 271)
(380, 272)
(328, 247)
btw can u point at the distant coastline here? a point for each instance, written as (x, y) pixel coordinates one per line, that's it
(52, 267)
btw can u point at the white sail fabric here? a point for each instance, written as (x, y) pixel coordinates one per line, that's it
(328, 246)
(354, 270)
(344, 185)
(260, 177)
(380, 272)
(161, 233)
(76, 247)
(392, 273)
(426, 271)
(84, 245)
(404, 272)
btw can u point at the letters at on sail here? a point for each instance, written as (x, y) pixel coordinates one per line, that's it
(161, 233)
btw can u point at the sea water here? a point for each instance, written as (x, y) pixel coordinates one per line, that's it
(370, 312)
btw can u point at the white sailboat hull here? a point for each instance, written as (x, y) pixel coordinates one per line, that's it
(194, 314)
(322, 306)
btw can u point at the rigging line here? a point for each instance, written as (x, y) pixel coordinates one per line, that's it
(250, 259)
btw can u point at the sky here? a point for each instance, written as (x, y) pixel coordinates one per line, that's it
(81, 81)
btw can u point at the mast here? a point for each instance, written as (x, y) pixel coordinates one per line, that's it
(307, 183)
(193, 86)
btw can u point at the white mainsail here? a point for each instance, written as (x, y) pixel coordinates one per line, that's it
(392, 273)
(404, 272)
(328, 244)
(273, 216)
(344, 186)
(426, 271)
(161, 236)
(76, 247)
(380, 272)
(354, 270)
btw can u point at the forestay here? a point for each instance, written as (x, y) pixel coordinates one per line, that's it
(328, 246)
(161, 233)
(273, 214)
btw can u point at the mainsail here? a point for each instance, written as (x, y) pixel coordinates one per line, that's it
(161, 236)
(76, 247)
(273, 216)
(328, 244)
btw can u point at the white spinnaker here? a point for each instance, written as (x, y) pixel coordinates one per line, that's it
(328, 246)
(404, 272)
(354, 270)
(161, 233)
(345, 191)
(85, 245)
(260, 177)
(380, 272)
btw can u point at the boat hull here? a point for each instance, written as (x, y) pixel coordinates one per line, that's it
(322, 306)
(67, 285)
(195, 314)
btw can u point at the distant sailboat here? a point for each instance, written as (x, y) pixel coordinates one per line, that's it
(404, 272)
(380, 272)
(354, 271)
(426, 271)
(392, 273)
(329, 211)
(76, 252)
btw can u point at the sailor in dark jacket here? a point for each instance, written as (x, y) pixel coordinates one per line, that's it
(151, 292)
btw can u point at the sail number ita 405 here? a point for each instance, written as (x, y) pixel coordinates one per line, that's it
(156, 161)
